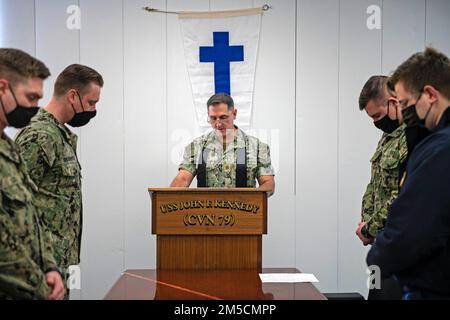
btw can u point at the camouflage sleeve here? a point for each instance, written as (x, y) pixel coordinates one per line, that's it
(189, 159)
(264, 162)
(48, 258)
(20, 276)
(375, 219)
(38, 152)
(367, 204)
(378, 219)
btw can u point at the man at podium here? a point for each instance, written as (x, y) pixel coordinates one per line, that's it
(226, 157)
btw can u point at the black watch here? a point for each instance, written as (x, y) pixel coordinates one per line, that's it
(57, 270)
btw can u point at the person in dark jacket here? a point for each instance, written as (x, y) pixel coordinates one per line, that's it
(414, 246)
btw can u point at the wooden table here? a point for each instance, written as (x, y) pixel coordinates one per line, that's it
(208, 285)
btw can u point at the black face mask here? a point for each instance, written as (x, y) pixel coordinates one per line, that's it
(21, 116)
(415, 127)
(82, 118)
(386, 124)
(411, 118)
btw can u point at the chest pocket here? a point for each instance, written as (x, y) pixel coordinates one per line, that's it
(252, 155)
(389, 163)
(69, 164)
(213, 160)
(390, 158)
(15, 190)
(376, 156)
(70, 167)
(387, 173)
(252, 163)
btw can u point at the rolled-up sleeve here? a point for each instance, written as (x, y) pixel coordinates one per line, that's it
(189, 159)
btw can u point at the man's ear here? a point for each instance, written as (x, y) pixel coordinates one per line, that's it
(431, 93)
(234, 113)
(71, 96)
(394, 101)
(3, 86)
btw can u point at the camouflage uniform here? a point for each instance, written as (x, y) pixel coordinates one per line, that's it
(383, 188)
(49, 150)
(221, 166)
(25, 251)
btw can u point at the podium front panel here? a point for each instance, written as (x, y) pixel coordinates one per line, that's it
(205, 212)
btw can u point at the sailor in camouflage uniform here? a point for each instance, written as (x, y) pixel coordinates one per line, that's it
(387, 168)
(226, 157)
(27, 266)
(49, 149)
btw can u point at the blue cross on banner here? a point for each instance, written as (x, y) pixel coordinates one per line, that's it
(214, 44)
(222, 54)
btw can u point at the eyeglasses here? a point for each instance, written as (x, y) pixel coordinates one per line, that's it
(221, 119)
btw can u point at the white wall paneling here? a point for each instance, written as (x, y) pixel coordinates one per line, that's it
(313, 60)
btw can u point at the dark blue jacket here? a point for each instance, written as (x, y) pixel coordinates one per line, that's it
(415, 243)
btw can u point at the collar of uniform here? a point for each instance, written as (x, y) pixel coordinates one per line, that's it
(68, 135)
(212, 141)
(240, 139)
(8, 149)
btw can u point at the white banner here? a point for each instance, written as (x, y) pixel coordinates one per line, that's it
(221, 49)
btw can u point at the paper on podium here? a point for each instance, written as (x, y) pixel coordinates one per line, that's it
(287, 277)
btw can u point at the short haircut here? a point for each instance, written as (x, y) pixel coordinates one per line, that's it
(78, 77)
(430, 67)
(375, 89)
(221, 98)
(18, 66)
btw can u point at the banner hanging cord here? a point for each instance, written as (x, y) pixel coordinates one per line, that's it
(265, 7)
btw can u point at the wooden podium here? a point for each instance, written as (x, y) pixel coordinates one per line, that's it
(209, 229)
